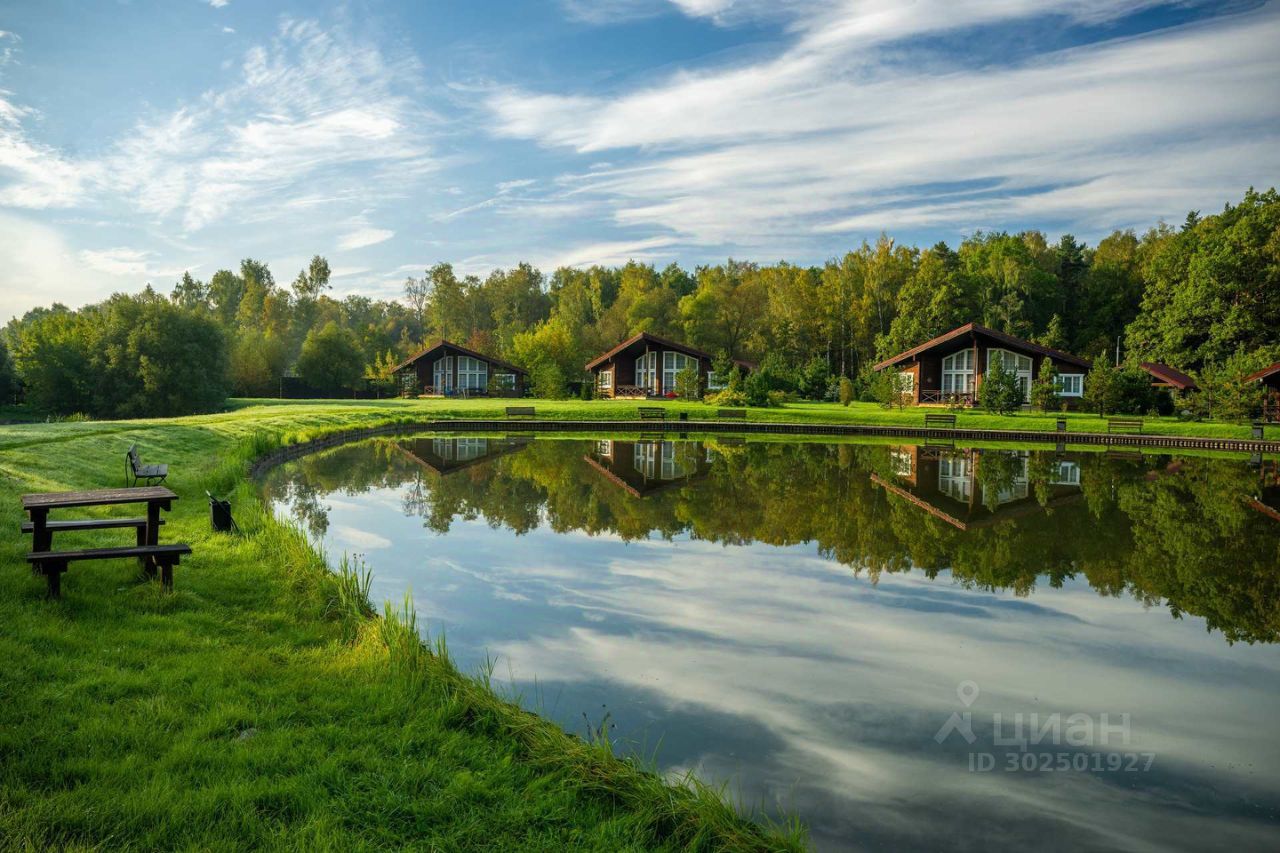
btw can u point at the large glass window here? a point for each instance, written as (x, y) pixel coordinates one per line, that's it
(473, 374)
(672, 364)
(957, 373)
(647, 371)
(604, 380)
(443, 374)
(1071, 384)
(504, 381)
(1018, 365)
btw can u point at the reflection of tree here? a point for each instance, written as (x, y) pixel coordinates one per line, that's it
(1175, 531)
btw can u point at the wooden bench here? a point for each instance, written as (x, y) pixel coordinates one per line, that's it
(652, 413)
(133, 467)
(52, 564)
(521, 413)
(940, 421)
(1124, 425)
(732, 414)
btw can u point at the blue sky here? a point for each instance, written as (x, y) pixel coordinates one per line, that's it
(139, 139)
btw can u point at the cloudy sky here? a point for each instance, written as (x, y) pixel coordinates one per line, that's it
(139, 138)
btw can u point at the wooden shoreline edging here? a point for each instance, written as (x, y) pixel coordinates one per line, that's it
(1164, 442)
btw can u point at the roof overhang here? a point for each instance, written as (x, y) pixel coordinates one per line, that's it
(975, 329)
(645, 337)
(497, 362)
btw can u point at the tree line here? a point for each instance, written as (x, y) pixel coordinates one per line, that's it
(1203, 297)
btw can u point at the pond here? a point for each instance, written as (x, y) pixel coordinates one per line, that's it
(904, 646)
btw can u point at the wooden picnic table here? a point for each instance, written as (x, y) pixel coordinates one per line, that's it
(41, 528)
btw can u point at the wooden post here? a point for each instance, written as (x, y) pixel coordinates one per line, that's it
(53, 576)
(166, 575)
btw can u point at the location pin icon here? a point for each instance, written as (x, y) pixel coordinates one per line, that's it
(968, 692)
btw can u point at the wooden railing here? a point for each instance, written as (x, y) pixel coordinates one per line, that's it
(959, 398)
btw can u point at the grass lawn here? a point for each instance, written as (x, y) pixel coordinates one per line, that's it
(258, 705)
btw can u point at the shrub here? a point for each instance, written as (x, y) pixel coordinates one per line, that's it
(846, 390)
(1044, 391)
(814, 379)
(331, 359)
(547, 380)
(1224, 392)
(689, 384)
(756, 389)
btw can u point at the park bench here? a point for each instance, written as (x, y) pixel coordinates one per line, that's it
(652, 413)
(521, 412)
(52, 564)
(732, 414)
(1124, 425)
(940, 421)
(133, 467)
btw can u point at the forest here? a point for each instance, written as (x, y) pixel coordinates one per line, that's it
(1203, 296)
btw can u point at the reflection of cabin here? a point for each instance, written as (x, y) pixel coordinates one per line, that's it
(647, 366)
(946, 484)
(447, 369)
(1269, 378)
(1164, 376)
(645, 467)
(447, 455)
(951, 366)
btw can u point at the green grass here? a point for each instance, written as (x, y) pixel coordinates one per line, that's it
(260, 705)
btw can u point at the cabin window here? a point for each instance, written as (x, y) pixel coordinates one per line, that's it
(443, 374)
(1071, 384)
(957, 373)
(907, 382)
(604, 380)
(715, 382)
(504, 381)
(473, 374)
(672, 364)
(647, 371)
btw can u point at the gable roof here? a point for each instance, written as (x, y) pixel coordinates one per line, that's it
(660, 342)
(1011, 340)
(1264, 373)
(1169, 376)
(465, 351)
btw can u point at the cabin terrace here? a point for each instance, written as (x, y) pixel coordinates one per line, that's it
(950, 367)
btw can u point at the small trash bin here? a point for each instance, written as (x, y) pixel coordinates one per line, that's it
(220, 514)
(1257, 431)
(1062, 425)
(684, 416)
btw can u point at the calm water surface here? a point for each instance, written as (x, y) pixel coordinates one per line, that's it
(906, 647)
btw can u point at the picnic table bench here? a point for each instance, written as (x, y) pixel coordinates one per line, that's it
(940, 421)
(44, 560)
(732, 414)
(1124, 425)
(521, 412)
(652, 413)
(133, 467)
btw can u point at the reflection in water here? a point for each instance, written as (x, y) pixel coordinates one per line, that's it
(780, 615)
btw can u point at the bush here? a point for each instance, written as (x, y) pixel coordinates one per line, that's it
(689, 384)
(1044, 391)
(729, 398)
(756, 389)
(846, 390)
(1224, 392)
(331, 359)
(547, 381)
(814, 379)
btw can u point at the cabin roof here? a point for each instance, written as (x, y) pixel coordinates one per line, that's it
(1169, 375)
(967, 328)
(1263, 373)
(664, 343)
(465, 351)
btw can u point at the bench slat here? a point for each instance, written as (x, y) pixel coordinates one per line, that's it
(173, 550)
(649, 413)
(88, 524)
(98, 497)
(732, 413)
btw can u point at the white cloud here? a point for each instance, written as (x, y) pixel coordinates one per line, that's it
(362, 237)
(218, 4)
(827, 137)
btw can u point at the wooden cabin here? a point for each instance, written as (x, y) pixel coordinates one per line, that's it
(447, 369)
(951, 366)
(647, 366)
(1269, 377)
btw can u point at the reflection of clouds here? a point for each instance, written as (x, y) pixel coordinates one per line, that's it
(351, 538)
(841, 683)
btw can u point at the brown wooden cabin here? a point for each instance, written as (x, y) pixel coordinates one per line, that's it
(446, 369)
(1164, 376)
(646, 366)
(951, 366)
(945, 483)
(1269, 377)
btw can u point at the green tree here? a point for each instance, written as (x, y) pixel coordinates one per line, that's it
(1225, 393)
(312, 281)
(999, 392)
(689, 384)
(1044, 391)
(846, 390)
(1101, 392)
(331, 360)
(190, 292)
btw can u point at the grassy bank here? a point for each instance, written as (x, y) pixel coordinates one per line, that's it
(259, 705)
